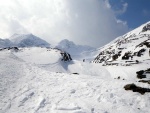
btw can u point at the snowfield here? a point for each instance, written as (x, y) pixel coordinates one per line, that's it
(35, 80)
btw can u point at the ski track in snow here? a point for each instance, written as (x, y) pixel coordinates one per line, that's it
(29, 88)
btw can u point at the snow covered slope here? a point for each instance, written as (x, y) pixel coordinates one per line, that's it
(25, 87)
(46, 80)
(28, 40)
(39, 55)
(47, 58)
(131, 48)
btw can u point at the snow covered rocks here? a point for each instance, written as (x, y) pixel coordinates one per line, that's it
(146, 28)
(66, 56)
(142, 73)
(133, 46)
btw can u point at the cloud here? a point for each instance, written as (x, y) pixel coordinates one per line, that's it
(107, 4)
(89, 22)
(123, 9)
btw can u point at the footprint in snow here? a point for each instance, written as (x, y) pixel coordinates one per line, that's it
(25, 99)
(41, 105)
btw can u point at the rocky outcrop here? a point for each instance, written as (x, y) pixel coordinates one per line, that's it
(140, 75)
(135, 88)
(66, 56)
(146, 28)
(10, 48)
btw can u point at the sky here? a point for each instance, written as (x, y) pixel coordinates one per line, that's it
(86, 22)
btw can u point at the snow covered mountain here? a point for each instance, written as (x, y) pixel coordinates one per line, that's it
(76, 51)
(5, 43)
(28, 40)
(72, 48)
(131, 48)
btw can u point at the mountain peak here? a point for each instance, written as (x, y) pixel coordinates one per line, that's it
(28, 40)
(72, 48)
(66, 44)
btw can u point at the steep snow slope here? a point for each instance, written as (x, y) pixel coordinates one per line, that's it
(131, 48)
(28, 40)
(26, 87)
(75, 50)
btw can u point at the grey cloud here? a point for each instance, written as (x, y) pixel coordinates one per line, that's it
(89, 22)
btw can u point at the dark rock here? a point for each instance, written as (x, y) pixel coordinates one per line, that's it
(141, 90)
(76, 73)
(129, 86)
(146, 28)
(147, 71)
(16, 48)
(114, 57)
(135, 88)
(137, 61)
(10, 48)
(66, 56)
(145, 81)
(139, 53)
(126, 56)
(141, 76)
(140, 72)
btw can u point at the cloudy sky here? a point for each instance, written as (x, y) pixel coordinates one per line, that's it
(88, 22)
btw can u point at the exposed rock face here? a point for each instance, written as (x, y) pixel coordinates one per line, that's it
(66, 56)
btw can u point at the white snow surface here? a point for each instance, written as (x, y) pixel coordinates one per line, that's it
(35, 80)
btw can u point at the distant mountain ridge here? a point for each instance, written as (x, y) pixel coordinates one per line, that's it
(23, 40)
(5, 43)
(72, 48)
(131, 48)
(28, 40)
